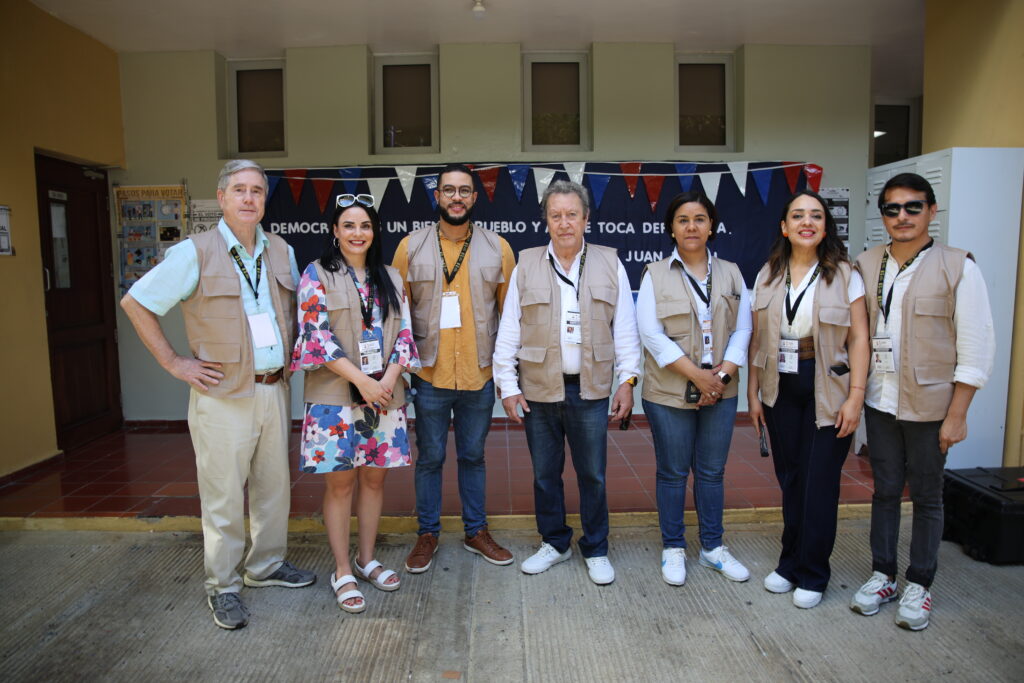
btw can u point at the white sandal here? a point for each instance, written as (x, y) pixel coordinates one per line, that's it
(365, 572)
(336, 585)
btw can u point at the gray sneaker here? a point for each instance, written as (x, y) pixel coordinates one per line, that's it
(286, 575)
(228, 610)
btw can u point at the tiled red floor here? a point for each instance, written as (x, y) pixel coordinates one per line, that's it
(150, 472)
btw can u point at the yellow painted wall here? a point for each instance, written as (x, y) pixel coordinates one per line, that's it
(60, 92)
(974, 97)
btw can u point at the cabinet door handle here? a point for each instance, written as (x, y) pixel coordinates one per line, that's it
(46, 272)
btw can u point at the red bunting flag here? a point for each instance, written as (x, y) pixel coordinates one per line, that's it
(296, 179)
(323, 188)
(813, 174)
(631, 169)
(489, 179)
(792, 170)
(653, 184)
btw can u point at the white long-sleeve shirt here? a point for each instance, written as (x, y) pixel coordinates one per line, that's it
(624, 330)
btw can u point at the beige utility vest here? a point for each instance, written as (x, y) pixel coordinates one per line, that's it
(325, 386)
(540, 345)
(676, 308)
(215, 319)
(426, 276)
(927, 334)
(830, 325)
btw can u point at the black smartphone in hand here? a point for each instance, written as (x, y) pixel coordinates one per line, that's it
(764, 443)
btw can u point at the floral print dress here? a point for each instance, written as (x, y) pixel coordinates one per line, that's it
(338, 438)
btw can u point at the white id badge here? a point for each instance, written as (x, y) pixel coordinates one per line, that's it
(705, 333)
(262, 327)
(882, 358)
(450, 314)
(789, 356)
(572, 328)
(371, 361)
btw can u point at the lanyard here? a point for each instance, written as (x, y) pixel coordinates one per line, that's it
(706, 298)
(462, 254)
(365, 307)
(791, 310)
(881, 279)
(245, 273)
(575, 287)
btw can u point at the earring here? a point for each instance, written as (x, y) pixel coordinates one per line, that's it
(784, 234)
(336, 244)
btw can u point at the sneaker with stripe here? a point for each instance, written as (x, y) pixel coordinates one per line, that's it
(877, 591)
(915, 607)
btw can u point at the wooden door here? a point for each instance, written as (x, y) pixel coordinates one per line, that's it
(78, 277)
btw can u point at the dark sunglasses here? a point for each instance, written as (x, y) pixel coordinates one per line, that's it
(347, 200)
(913, 208)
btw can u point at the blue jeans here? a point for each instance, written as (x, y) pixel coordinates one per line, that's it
(585, 424)
(685, 440)
(435, 410)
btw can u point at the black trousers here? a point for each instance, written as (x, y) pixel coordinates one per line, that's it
(808, 465)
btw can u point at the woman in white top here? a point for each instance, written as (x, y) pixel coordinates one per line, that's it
(809, 362)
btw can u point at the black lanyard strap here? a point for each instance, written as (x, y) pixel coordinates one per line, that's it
(706, 298)
(365, 307)
(887, 306)
(462, 254)
(792, 309)
(245, 273)
(579, 277)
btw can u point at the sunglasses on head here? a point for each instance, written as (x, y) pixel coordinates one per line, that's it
(913, 208)
(347, 200)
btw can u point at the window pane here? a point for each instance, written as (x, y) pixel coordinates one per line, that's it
(407, 105)
(59, 231)
(702, 104)
(260, 110)
(894, 121)
(555, 100)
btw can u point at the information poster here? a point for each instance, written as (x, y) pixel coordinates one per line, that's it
(205, 215)
(151, 218)
(838, 200)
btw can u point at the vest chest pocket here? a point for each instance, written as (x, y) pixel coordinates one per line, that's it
(420, 273)
(602, 306)
(676, 317)
(492, 274)
(838, 316)
(534, 304)
(732, 307)
(932, 318)
(221, 295)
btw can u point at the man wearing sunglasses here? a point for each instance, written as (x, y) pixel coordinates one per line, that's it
(456, 276)
(236, 285)
(932, 347)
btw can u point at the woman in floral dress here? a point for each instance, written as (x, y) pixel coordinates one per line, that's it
(354, 342)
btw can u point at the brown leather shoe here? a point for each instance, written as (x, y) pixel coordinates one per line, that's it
(422, 554)
(482, 544)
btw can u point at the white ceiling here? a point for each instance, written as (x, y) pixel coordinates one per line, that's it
(250, 28)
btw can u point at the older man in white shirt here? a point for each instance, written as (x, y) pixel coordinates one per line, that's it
(567, 336)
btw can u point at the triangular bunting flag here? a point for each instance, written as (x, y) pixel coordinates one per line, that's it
(296, 179)
(322, 187)
(519, 174)
(813, 175)
(710, 181)
(575, 170)
(763, 181)
(792, 171)
(378, 186)
(686, 172)
(738, 169)
(631, 169)
(489, 179)
(598, 184)
(407, 177)
(272, 181)
(653, 184)
(542, 178)
(430, 184)
(349, 177)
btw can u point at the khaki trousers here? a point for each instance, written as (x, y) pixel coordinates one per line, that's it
(238, 440)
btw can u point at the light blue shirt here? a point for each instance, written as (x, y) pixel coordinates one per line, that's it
(176, 277)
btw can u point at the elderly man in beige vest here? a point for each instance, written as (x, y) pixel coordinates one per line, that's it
(568, 335)
(456, 274)
(236, 285)
(932, 347)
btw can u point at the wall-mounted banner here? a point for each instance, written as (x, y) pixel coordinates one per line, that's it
(628, 201)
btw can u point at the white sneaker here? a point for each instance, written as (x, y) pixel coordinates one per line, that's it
(775, 583)
(805, 599)
(673, 566)
(722, 561)
(878, 590)
(600, 570)
(915, 607)
(545, 558)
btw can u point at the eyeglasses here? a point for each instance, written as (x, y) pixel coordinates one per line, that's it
(449, 191)
(913, 208)
(347, 200)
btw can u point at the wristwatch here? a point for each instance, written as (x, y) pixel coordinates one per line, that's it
(724, 376)
(631, 381)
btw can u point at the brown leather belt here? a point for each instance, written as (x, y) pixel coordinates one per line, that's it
(805, 348)
(270, 377)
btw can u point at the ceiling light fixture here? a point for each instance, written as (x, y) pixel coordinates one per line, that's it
(479, 10)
